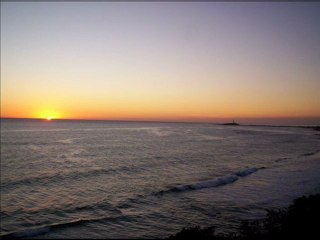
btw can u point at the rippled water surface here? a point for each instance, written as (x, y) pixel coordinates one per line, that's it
(101, 179)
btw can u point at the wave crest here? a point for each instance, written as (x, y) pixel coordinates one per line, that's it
(217, 182)
(32, 232)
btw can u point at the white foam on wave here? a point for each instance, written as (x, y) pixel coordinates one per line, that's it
(246, 172)
(214, 182)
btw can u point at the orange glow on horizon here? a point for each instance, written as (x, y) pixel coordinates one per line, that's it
(143, 114)
(48, 115)
(150, 108)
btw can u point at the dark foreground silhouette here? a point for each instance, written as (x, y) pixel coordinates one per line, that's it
(301, 220)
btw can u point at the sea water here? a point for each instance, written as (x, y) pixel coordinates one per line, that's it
(104, 179)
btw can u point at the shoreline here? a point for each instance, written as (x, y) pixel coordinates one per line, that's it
(299, 219)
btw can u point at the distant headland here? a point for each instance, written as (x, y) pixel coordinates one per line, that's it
(231, 124)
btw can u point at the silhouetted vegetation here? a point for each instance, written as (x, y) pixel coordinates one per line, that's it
(301, 220)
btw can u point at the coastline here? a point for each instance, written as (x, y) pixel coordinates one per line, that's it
(298, 220)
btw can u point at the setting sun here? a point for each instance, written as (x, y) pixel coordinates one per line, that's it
(47, 114)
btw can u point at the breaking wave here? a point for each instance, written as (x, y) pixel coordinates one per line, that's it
(32, 232)
(217, 182)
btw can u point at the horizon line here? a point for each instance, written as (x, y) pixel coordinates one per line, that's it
(172, 121)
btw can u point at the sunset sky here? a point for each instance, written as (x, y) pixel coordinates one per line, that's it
(173, 61)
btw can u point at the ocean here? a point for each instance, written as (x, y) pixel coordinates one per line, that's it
(109, 179)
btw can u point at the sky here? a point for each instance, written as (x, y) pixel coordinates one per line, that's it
(255, 62)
